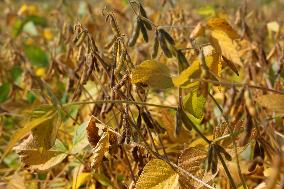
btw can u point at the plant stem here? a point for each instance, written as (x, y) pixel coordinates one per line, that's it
(233, 140)
(227, 171)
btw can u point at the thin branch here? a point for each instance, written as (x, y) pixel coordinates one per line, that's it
(227, 171)
(235, 84)
(118, 102)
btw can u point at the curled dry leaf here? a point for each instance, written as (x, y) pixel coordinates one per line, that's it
(199, 30)
(100, 137)
(93, 132)
(193, 160)
(100, 149)
(223, 25)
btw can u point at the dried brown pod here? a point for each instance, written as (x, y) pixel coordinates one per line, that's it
(81, 38)
(186, 121)
(231, 65)
(114, 26)
(147, 120)
(178, 121)
(135, 33)
(214, 162)
(167, 36)
(120, 60)
(164, 45)
(144, 32)
(220, 150)
(209, 158)
(181, 60)
(139, 120)
(143, 13)
(90, 61)
(155, 45)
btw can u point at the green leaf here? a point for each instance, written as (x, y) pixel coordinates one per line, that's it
(157, 174)
(45, 133)
(5, 90)
(206, 11)
(19, 24)
(152, 73)
(59, 146)
(16, 73)
(102, 179)
(30, 97)
(36, 56)
(194, 104)
(80, 139)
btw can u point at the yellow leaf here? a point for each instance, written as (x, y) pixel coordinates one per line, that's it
(225, 46)
(28, 10)
(222, 25)
(23, 9)
(157, 174)
(81, 180)
(200, 142)
(32, 9)
(40, 160)
(152, 73)
(40, 72)
(47, 34)
(27, 128)
(194, 72)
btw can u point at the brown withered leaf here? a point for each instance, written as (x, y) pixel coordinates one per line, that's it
(167, 119)
(192, 160)
(273, 102)
(223, 129)
(227, 143)
(93, 132)
(100, 149)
